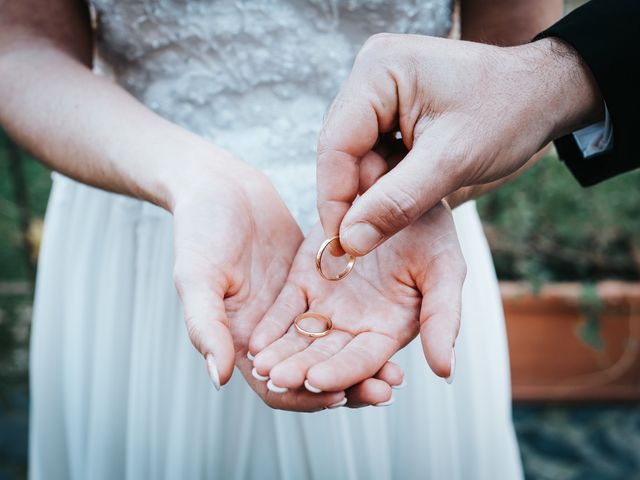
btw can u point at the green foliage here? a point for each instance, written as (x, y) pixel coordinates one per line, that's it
(14, 262)
(544, 226)
(591, 305)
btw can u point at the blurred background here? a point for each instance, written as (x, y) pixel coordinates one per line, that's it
(569, 263)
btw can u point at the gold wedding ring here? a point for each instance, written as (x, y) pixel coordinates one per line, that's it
(351, 262)
(307, 333)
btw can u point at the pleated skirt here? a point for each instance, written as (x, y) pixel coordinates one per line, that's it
(118, 392)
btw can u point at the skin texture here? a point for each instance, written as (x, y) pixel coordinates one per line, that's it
(358, 147)
(376, 310)
(469, 114)
(234, 238)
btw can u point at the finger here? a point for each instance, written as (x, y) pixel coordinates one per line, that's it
(365, 107)
(299, 400)
(371, 391)
(441, 289)
(359, 359)
(372, 167)
(207, 325)
(290, 344)
(392, 374)
(290, 302)
(302, 400)
(395, 200)
(292, 372)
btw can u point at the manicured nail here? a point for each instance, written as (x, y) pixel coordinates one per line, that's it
(384, 404)
(212, 368)
(452, 371)
(339, 404)
(311, 388)
(274, 388)
(257, 376)
(402, 385)
(362, 237)
(250, 357)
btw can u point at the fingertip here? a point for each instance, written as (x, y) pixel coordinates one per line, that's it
(320, 378)
(257, 343)
(223, 351)
(439, 356)
(360, 238)
(393, 374)
(371, 391)
(262, 363)
(284, 376)
(452, 369)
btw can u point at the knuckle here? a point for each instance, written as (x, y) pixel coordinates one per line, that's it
(380, 40)
(374, 48)
(398, 208)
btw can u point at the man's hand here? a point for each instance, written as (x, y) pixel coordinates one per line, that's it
(467, 114)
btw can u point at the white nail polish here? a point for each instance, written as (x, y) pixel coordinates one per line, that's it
(339, 404)
(257, 376)
(311, 388)
(250, 357)
(452, 371)
(275, 388)
(212, 369)
(402, 385)
(384, 404)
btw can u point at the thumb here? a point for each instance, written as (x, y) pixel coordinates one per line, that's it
(208, 327)
(395, 201)
(365, 108)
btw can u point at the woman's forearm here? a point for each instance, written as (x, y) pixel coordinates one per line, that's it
(92, 130)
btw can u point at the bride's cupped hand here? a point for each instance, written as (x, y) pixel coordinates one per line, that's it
(235, 241)
(409, 285)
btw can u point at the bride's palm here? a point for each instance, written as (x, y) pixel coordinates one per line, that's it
(234, 247)
(376, 310)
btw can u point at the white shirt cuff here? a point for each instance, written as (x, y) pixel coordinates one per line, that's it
(597, 138)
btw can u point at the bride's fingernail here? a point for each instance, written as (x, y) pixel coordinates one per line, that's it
(384, 404)
(311, 388)
(362, 237)
(402, 385)
(452, 370)
(212, 368)
(250, 357)
(339, 404)
(274, 388)
(257, 376)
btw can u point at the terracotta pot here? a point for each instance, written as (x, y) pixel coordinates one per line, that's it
(571, 342)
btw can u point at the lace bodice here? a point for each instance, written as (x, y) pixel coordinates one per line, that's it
(256, 77)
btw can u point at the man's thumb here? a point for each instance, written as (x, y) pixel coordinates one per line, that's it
(393, 202)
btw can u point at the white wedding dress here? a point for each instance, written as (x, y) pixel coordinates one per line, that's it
(118, 392)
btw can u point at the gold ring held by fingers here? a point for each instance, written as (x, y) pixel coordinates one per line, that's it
(351, 262)
(307, 333)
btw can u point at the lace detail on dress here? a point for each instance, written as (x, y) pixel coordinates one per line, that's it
(254, 76)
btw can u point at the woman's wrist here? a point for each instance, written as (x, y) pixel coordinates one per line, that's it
(195, 164)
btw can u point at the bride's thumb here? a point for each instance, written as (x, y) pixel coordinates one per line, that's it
(208, 329)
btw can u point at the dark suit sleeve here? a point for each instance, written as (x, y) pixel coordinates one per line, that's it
(606, 34)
